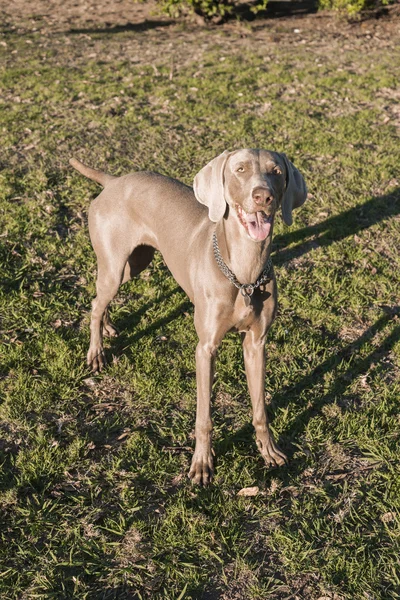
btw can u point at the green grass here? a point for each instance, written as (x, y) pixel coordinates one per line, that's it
(94, 496)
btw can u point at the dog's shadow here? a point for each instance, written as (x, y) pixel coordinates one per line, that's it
(128, 327)
(336, 228)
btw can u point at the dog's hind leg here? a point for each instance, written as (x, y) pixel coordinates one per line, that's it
(112, 250)
(108, 281)
(140, 258)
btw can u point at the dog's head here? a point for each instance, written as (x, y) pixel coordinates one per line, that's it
(253, 183)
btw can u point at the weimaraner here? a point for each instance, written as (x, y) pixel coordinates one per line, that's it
(216, 241)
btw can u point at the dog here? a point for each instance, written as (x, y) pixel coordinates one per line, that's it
(216, 241)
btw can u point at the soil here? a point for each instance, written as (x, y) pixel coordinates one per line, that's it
(288, 21)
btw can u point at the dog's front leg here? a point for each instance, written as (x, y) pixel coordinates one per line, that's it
(254, 361)
(211, 328)
(201, 470)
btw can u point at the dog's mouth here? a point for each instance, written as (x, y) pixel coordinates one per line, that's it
(258, 224)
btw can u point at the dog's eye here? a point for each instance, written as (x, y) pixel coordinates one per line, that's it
(277, 170)
(240, 170)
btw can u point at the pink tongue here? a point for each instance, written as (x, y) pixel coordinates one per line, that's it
(258, 226)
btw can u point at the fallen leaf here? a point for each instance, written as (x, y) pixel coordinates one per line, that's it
(388, 517)
(250, 491)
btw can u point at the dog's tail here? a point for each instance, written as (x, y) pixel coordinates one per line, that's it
(98, 176)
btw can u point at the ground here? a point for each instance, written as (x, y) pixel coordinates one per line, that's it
(94, 496)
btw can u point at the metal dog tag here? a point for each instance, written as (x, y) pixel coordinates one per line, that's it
(247, 292)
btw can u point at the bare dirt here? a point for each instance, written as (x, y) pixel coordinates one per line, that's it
(294, 21)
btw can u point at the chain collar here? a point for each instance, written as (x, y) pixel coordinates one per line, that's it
(246, 289)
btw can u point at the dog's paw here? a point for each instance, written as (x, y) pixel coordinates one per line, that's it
(270, 452)
(202, 468)
(96, 359)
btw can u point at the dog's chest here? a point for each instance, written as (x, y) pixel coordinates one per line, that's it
(261, 308)
(244, 316)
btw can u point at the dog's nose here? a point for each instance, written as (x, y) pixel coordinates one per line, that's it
(262, 195)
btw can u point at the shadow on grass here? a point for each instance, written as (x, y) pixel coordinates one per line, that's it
(290, 8)
(275, 9)
(145, 25)
(122, 592)
(357, 366)
(335, 229)
(128, 334)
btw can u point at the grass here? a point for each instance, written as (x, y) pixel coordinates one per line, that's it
(94, 496)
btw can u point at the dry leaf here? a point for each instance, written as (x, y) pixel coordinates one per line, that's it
(250, 491)
(388, 517)
(89, 382)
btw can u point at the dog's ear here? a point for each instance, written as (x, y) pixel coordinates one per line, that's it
(295, 193)
(208, 186)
